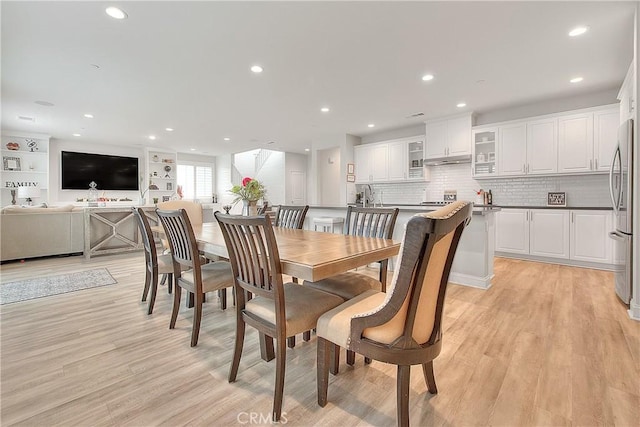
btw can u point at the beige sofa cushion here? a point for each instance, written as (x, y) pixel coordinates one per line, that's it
(36, 209)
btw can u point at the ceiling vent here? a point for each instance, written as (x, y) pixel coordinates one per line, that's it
(27, 119)
(414, 115)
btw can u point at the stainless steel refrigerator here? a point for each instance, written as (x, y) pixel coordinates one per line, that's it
(621, 190)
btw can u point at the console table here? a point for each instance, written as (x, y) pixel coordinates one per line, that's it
(113, 230)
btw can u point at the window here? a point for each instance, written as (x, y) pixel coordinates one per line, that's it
(196, 181)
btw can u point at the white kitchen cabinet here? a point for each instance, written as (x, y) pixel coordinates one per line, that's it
(512, 231)
(586, 141)
(542, 146)
(627, 96)
(575, 143)
(483, 159)
(605, 138)
(549, 233)
(371, 163)
(589, 236)
(565, 235)
(397, 161)
(448, 137)
(512, 149)
(390, 161)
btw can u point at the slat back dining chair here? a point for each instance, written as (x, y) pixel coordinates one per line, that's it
(277, 310)
(198, 278)
(403, 326)
(155, 263)
(291, 216)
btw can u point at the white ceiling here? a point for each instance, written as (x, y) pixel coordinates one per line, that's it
(186, 65)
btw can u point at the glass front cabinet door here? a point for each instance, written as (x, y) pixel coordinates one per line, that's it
(484, 151)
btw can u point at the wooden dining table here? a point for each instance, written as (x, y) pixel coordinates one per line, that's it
(305, 254)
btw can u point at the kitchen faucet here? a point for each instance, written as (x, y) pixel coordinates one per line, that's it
(365, 199)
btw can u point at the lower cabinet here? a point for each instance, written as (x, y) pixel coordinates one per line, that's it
(577, 235)
(588, 240)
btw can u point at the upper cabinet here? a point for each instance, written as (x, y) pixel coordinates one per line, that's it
(575, 142)
(25, 163)
(390, 161)
(483, 142)
(448, 137)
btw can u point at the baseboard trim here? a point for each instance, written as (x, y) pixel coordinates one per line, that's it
(559, 261)
(471, 281)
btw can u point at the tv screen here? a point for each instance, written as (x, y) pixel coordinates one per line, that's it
(109, 172)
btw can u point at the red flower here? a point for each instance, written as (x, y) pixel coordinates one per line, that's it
(245, 181)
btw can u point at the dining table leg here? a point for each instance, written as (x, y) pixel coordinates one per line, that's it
(266, 347)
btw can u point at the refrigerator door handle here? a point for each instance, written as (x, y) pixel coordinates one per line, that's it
(616, 157)
(617, 236)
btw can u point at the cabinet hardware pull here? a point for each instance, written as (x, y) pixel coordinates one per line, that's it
(596, 161)
(524, 168)
(591, 164)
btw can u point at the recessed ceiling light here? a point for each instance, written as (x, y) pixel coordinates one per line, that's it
(227, 139)
(427, 77)
(192, 149)
(152, 137)
(325, 109)
(461, 105)
(44, 103)
(256, 69)
(169, 129)
(307, 149)
(578, 31)
(576, 80)
(116, 13)
(370, 125)
(89, 116)
(76, 134)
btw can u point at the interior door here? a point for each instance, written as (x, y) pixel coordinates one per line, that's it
(298, 186)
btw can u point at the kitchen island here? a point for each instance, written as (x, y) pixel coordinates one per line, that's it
(473, 263)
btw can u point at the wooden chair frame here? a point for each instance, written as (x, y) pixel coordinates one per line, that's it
(151, 259)
(291, 216)
(420, 238)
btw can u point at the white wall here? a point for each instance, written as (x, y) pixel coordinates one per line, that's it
(272, 175)
(329, 174)
(56, 146)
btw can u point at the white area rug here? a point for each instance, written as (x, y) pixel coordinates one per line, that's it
(53, 285)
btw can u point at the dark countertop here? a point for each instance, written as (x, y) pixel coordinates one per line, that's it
(589, 208)
(477, 210)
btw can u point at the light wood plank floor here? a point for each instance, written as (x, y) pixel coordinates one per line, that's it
(546, 345)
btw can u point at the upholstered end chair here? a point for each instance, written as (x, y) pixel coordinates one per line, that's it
(403, 326)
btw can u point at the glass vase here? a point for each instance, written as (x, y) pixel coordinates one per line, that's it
(249, 208)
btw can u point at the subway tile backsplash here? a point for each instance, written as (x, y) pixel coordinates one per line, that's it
(582, 190)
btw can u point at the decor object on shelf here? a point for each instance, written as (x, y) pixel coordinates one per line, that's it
(169, 186)
(167, 169)
(29, 193)
(152, 186)
(92, 196)
(11, 163)
(179, 191)
(13, 146)
(166, 198)
(155, 200)
(32, 144)
(557, 199)
(155, 158)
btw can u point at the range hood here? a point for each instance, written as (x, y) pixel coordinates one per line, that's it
(448, 160)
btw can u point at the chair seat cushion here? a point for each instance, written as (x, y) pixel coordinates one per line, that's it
(335, 325)
(346, 285)
(303, 306)
(215, 275)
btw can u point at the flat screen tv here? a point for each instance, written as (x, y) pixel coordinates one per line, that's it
(109, 172)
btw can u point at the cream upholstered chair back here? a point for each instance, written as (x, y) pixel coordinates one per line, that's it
(194, 210)
(412, 310)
